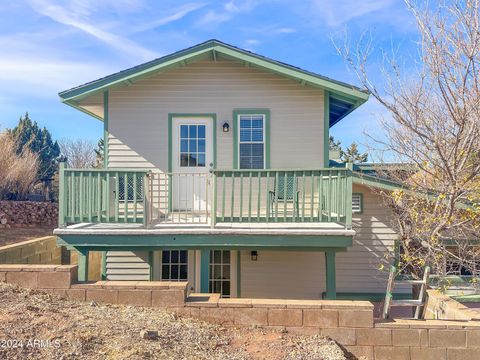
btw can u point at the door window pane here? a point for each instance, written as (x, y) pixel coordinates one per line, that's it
(192, 145)
(220, 272)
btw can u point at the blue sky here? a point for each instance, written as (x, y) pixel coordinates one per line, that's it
(48, 46)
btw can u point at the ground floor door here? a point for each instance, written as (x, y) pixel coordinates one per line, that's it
(220, 273)
(184, 265)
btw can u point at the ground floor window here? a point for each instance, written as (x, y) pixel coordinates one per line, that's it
(220, 272)
(175, 265)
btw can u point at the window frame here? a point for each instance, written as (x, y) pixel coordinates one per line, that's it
(212, 280)
(265, 113)
(170, 264)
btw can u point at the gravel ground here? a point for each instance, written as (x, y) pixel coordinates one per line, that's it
(75, 330)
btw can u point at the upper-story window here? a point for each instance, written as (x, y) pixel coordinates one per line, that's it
(251, 141)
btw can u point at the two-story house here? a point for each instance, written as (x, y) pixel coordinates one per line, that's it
(216, 171)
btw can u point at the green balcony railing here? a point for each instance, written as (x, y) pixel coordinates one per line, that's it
(102, 196)
(297, 196)
(224, 196)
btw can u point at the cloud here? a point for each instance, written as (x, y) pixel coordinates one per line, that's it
(337, 12)
(285, 30)
(177, 14)
(75, 18)
(214, 18)
(227, 12)
(42, 77)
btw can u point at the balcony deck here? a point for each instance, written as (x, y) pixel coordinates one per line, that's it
(314, 202)
(294, 229)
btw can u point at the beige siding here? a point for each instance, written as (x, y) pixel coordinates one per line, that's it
(373, 245)
(127, 265)
(138, 113)
(283, 274)
(302, 275)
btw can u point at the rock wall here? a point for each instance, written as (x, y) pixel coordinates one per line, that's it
(350, 323)
(442, 307)
(28, 214)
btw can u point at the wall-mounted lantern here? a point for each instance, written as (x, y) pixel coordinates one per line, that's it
(226, 127)
(254, 255)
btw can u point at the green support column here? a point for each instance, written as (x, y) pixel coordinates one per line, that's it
(204, 270)
(104, 265)
(150, 264)
(331, 293)
(82, 265)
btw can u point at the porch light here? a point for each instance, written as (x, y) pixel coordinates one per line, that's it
(226, 127)
(254, 255)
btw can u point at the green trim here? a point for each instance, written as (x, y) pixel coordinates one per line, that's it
(105, 129)
(83, 255)
(150, 264)
(204, 270)
(170, 142)
(373, 181)
(388, 185)
(62, 206)
(209, 50)
(236, 154)
(369, 296)
(213, 116)
(330, 271)
(239, 274)
(474, 298)
(104, 265)
(206, 240)
(361, 204)
(326, 129)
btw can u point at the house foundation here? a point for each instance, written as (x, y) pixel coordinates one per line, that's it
(350, 323)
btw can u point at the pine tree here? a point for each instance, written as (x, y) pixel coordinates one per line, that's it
(99, 151)
(353, 155)
(335, 145)
(28, 134)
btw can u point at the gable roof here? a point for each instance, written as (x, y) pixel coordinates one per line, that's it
(344, 98)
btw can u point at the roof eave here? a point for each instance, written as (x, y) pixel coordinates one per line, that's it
(75, 106)
(225, 49)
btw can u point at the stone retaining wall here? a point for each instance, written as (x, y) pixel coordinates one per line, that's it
(61, 280)
(350, 323)
(443, 307)
(28, 213)
(38, 251)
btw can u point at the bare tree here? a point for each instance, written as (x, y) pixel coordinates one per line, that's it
(18, 172)
(78, 153)
(435, 127)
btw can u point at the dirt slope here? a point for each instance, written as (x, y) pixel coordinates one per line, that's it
(75, 330)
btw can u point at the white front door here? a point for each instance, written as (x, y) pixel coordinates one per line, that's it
(192, 159)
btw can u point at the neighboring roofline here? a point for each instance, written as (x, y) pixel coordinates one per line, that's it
(356, 95)
(374, 181)
(389, 185)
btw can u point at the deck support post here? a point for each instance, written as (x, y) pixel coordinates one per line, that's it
(82, 264)
(204, 270)
(331, 293)
(104, 265)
